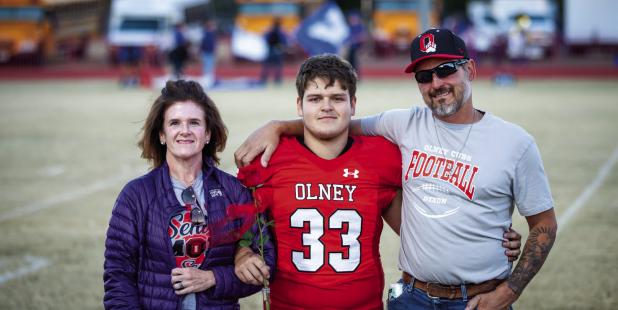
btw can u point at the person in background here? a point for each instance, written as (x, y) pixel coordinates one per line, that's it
(356, 40)
(276, 43)
(179, 54)
(166, 246)
(208, 49)
(129, 58)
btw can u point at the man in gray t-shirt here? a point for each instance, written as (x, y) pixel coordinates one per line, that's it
(459, 199)
(464, 171)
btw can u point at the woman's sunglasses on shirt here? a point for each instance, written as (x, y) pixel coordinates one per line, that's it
(197, 216)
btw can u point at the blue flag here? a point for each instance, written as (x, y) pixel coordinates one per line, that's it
(325, 31)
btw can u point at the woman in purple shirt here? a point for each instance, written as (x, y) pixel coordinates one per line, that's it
(171, 242)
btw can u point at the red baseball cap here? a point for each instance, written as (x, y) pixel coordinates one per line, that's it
(436, 43)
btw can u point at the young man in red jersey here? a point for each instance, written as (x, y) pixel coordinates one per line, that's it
(327, 193)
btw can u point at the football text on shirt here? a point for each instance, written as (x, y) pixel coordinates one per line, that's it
(438, 167)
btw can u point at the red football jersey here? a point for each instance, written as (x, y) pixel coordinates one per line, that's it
(327, 222)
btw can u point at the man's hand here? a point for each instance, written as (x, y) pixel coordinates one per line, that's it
(543, 227)
(264, 139)
(192, 280)
(512, 243)
(500, 298)
(250, 268)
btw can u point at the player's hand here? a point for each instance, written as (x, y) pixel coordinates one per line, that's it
(512, 243)
(191, 280)
(250, 268)
(500, 298)
(265, 139)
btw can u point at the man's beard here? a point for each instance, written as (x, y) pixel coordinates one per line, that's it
(440, 108)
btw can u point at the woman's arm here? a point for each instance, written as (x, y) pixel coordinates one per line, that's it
(121, 257)
(228, 285)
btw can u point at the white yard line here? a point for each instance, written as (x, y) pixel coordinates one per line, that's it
(33, 264)
(580, 202)
(64, 197)
(52, 171)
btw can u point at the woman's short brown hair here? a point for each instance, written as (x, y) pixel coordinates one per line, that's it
(179, 91)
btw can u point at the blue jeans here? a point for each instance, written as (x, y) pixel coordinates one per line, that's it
(208, 65)
(188, 302)
(414, 298)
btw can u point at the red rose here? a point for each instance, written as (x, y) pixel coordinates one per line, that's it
(252, 175)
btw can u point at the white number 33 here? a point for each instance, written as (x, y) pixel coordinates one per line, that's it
(311, 239)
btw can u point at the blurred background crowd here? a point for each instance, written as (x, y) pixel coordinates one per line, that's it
(137, 40)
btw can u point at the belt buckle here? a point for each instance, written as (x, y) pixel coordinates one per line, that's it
(450, 288)
(427, 289)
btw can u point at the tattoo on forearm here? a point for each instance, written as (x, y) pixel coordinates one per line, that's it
(537, 247)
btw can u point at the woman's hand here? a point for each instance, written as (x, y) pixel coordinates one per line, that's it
(250, 268)
(192, 280)
(512, 243)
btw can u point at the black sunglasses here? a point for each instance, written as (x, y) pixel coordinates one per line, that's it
(442, 71)
(197, 215)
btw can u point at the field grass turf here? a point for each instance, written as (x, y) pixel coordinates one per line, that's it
(67, 148)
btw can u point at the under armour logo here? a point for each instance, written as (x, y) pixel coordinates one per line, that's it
(216, 193)
(347, 173)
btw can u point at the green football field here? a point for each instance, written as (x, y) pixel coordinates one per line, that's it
(67, 148)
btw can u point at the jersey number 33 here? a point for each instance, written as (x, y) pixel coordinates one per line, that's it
(312, 239)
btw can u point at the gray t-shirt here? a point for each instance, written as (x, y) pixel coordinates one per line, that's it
(198, 188)
(459, 196)
(189, 301)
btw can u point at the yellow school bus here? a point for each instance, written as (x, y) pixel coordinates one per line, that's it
(257, 16)
(396, 22)
(38, 29)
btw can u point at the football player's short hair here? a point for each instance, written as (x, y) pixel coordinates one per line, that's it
(329, 67)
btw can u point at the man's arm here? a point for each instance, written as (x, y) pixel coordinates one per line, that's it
(392, 214)
(355, 128)
(543, 227)
(266, 138)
